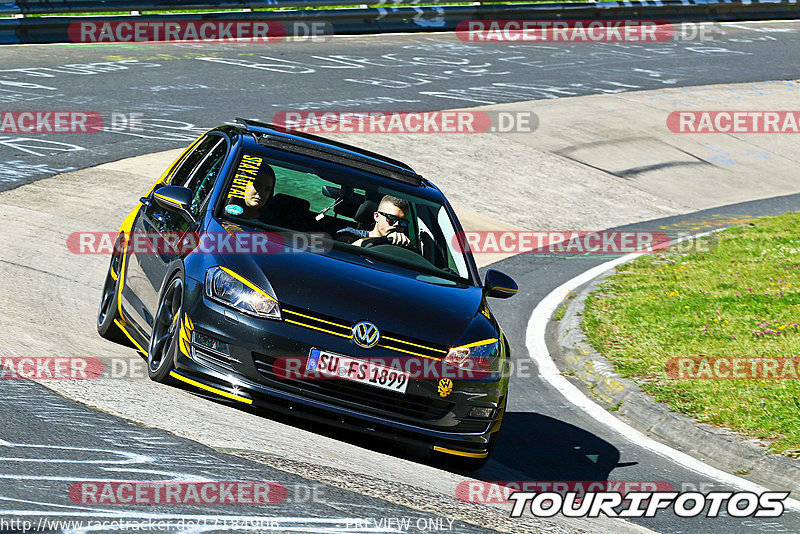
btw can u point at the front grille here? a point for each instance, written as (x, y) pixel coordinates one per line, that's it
(340, 328)
(353, 394)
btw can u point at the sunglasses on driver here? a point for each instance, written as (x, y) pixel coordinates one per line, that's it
(395, 220)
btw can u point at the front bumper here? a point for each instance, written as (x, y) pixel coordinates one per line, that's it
(421, 418)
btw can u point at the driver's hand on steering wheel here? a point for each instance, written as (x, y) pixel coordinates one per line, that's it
(396, 238)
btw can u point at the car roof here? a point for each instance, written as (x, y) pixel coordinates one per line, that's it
(274, 136)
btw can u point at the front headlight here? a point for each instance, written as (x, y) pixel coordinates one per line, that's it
(476, 356)
(223, 285)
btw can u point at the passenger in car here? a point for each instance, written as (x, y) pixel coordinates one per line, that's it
(262, 204)
(258, 192)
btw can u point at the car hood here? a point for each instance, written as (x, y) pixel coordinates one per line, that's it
(352, 292)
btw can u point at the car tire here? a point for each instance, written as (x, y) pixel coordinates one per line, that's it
(108, 311)
(166, 330)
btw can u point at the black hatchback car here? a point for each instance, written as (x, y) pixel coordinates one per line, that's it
(256, 269)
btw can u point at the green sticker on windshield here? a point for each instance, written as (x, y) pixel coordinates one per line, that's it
(233, 209)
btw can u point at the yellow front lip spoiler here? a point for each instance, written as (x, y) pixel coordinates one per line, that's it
(460, 453)
(195, 383)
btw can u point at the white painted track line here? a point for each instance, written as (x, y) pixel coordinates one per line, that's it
(537, 349)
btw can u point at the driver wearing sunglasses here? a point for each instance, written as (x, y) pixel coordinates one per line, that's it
(390, 222)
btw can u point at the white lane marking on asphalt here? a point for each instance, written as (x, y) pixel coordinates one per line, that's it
(172, 476)
(749, 25)
(537, 349)
(188, 478)
(132, 457)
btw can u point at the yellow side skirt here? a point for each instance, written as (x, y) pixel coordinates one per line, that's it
(119, 324)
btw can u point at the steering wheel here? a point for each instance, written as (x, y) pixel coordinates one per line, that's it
(369, 242)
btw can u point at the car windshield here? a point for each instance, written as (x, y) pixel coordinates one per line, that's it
(349, 209)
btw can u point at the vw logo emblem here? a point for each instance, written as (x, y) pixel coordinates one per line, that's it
(366, 334)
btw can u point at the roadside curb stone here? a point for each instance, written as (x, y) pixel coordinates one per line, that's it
(745, 457)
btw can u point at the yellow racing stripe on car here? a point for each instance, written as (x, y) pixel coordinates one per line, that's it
(409, 352)
(185, 336)
(166, 199)
(461, 453)
(414, 344)
(221, 393)
(318, 328)
(348, 336)
(317, 319)
(511, 289)
(248, 283)
(478, 343)
(127, 223)
(122, 263)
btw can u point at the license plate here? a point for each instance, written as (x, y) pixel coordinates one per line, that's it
(363, 371)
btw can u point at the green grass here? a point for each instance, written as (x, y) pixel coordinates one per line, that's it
(723, 303)
(560, 312)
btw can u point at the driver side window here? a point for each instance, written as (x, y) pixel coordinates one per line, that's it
(205, 174)
(181, 175)
(198, 170)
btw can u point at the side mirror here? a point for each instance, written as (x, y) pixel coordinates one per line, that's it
(174, 198)
(499, 285)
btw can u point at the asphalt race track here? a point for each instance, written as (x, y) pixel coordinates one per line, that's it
(182, 89)
(122, 449)
(179, 90)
